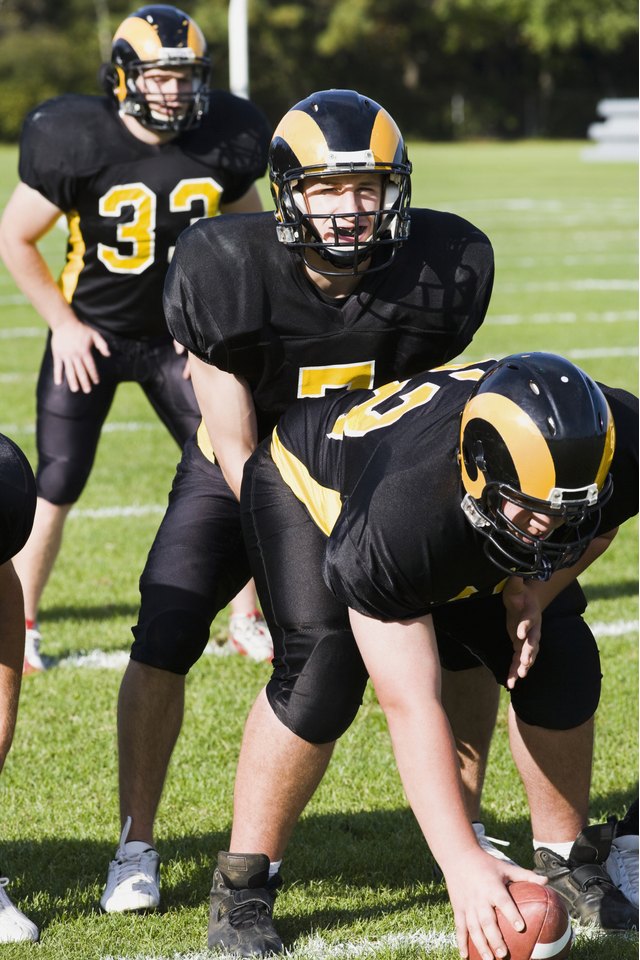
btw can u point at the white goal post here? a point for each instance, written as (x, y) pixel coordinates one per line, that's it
(238, 48)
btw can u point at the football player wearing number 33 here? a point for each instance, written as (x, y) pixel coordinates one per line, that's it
(129, 171)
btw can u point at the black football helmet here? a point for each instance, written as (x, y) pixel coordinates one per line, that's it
(162, 37)
(537, 432)
(329, 134)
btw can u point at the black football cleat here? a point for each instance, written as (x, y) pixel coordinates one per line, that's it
(584, 885)
(242, 898)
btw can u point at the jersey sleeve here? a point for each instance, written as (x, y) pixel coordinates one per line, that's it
(480, 252)
(624, 468)
(187, 308)
(17, 499)
(42, 164)
(468, 291)
(62, 140)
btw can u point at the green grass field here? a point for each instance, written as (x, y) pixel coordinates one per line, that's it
(358, 877)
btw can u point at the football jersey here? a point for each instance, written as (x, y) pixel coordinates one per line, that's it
(127, 201)
(378, 472)
(17, 499)
(237, 298)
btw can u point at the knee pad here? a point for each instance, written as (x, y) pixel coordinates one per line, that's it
(61, 481)
(562, 689)
(322, 700)
(171, 640)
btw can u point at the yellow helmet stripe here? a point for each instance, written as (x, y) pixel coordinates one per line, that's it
(607, 453)
(305, 138)
(323, 504)
(142, 36)
(528, 448)
(195, 39)
(385, 138)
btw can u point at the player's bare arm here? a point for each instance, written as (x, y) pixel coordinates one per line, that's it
(249, 202)
(28, 216)
(229, 415)
(402, 661)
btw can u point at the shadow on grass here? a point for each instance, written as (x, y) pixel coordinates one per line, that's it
(104, 611)
(611, 591)
(380, 850)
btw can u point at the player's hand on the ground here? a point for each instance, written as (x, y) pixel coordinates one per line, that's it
(72, 344)
(476, 890)
(524, 619)
(180, 349)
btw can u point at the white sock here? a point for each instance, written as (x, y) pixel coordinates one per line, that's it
(562, 849)
(274, 866)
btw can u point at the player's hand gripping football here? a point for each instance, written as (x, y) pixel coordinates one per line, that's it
(524, 618)
(476, 890)
(72, 344)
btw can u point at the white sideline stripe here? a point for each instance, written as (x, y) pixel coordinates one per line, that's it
(600, 353)
(616, 629)
(18, 377)
(552, 286)
(316, 948)
(118, 659)
(12, 429)
(95, 660)
(609, 316)
(106, 513)
(13, 333)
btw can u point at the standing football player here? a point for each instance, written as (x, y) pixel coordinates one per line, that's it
(477, 491)
(17, 507)
(129, 171)
(346, 287)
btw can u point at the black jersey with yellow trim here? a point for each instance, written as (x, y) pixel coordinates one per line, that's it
(252, 311)
(378, 473)
(127, 201)
(17, 499)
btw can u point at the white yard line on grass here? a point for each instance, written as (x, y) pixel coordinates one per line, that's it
(133, 426)
(317, 948)
(566, 317)
(118, 659)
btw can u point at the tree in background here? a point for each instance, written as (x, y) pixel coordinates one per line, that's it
(444, 68)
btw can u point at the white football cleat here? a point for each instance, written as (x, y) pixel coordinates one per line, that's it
(33, 662)
(622, 865)
(133, 880)
(249, 635)
(14, 926)
(487, 844)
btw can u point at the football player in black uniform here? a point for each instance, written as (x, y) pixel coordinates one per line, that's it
(457, 505)
(129, 171)
(346, 288)
(17, 507)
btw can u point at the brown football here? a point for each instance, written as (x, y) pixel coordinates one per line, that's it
(547, 935)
